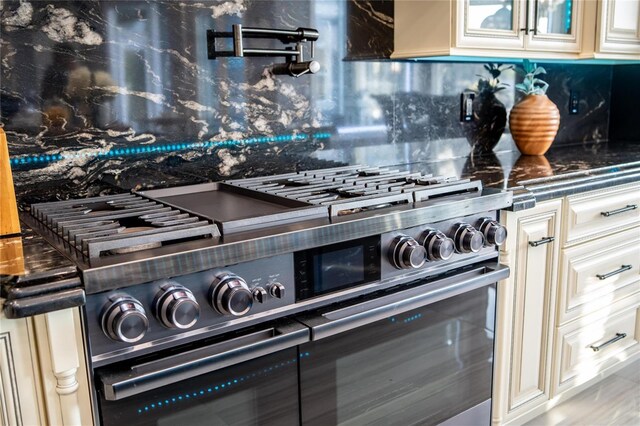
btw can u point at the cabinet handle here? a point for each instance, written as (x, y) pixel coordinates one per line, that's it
(620, 210)
(535, 17)
(526, 18)
(545, 240)
(619, 336)
(612, 273)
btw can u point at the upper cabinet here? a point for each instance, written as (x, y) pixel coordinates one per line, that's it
(618, 28)
(545, 29)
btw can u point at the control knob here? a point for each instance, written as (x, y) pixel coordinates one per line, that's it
(494, 233)
(124, 319)
(406, 253)
(230, 295)
(276, 290)
(467, 239)
(437, 244)
(259, 294)
(176, 307)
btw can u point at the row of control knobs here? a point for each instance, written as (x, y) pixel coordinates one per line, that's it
(124, 318)
(408, 253)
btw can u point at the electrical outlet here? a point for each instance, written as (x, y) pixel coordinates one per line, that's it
(574, 102)
(466, 106)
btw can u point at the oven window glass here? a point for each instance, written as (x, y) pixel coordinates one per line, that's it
(263, 391)
(420, 367)
(337, 269)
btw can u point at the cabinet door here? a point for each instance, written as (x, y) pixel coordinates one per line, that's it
(619, 26)
(19, 374)
(526, 311)
(490, 24)
(555, 25)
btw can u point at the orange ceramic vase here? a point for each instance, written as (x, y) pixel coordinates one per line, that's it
(534, 123)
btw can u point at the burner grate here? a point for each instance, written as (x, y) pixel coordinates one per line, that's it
(354, 189)
(116, 224)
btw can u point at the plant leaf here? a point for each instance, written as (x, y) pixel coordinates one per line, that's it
(539, 70)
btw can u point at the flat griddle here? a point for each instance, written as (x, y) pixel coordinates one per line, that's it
(236, 209)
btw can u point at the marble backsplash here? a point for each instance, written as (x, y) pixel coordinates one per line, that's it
(102, 96)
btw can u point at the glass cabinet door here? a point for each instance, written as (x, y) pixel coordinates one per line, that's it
(490, 24)
(555, 25)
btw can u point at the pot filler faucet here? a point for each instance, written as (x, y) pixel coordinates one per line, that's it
(295, 65)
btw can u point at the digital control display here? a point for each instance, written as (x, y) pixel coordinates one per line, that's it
(330, 268)
(337, 269)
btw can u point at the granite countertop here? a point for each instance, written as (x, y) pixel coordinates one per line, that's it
(35, 278)
(562, 171)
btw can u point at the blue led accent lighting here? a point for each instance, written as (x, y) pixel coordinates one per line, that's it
(406, 320)
(126, 152)
(209, 389)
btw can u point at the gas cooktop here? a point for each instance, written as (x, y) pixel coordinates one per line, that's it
(126, 239)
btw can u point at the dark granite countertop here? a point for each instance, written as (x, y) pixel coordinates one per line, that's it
(35, 278)
(31, 255)
(562, 171)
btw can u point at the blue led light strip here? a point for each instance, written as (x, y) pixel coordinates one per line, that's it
(213, 389)
(406, 320)
(172, 147)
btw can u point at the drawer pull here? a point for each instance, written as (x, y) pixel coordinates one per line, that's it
(545, 240)
(620, 210)
(622, 269)
(619, 336)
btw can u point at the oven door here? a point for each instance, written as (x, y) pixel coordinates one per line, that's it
(422, 355)
(250, 379)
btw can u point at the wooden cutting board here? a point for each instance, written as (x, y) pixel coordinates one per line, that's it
(9, 221)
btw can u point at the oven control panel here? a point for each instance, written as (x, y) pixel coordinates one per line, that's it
(181, 309)
(174, 308)
(428, 248)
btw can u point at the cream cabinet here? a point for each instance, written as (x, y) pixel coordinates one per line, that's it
(43, 375)
(526, 311)
(510, 28)
(536, 29)
(569, 314)
(618, 29)
(20, 397)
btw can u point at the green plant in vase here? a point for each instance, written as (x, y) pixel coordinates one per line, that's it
(535, 120)
(489, 114)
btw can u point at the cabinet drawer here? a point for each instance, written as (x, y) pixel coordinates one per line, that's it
(583, 351)
(598, 273)
(595, 213)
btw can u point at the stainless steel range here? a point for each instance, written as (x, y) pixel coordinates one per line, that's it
(253, 301)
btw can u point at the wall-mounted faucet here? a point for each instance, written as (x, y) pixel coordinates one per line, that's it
(295, 65)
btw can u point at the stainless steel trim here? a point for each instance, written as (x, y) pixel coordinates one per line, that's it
(345, 319)
(622, 269)
(166, 371)
(545, 240)
(620, 210)
(619, 336)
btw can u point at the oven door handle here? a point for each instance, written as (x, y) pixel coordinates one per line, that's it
(120, 384)
(345, 319)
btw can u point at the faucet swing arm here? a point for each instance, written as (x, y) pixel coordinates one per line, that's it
(295, 64)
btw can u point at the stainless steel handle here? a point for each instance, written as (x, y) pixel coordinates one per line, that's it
(620, 210)
(622, 269)
(535, 17)
(354, 316)
(155, 374)
(526, 18)
(545, 240)
(619, 336)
